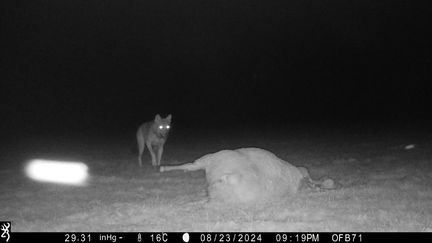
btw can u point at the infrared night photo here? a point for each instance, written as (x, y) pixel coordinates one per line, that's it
(216, 116)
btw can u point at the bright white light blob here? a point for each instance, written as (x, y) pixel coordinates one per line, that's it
(410, 146)
(55, 171)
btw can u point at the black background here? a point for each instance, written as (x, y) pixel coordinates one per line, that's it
(106, 66)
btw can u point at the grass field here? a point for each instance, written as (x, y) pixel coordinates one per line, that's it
(384, 186)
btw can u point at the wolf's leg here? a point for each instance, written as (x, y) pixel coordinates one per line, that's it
(160, 152)
(152, 153)
(141, 144)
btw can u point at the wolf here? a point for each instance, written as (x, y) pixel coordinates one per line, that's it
(153, 134)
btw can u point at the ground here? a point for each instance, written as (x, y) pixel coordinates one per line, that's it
(385, 186)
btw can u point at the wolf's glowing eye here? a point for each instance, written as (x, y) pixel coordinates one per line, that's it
(160, 127)
(167, 127)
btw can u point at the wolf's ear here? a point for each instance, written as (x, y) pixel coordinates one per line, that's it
(168, 117)
(157, 117)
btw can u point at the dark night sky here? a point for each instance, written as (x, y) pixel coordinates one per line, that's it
(80, 65)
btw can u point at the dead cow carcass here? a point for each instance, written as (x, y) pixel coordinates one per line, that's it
(248, 175)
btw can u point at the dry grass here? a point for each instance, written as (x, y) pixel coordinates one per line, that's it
(385, 188)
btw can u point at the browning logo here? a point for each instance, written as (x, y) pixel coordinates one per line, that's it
(5, 227)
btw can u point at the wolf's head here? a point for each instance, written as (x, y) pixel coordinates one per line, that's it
(162, 125)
